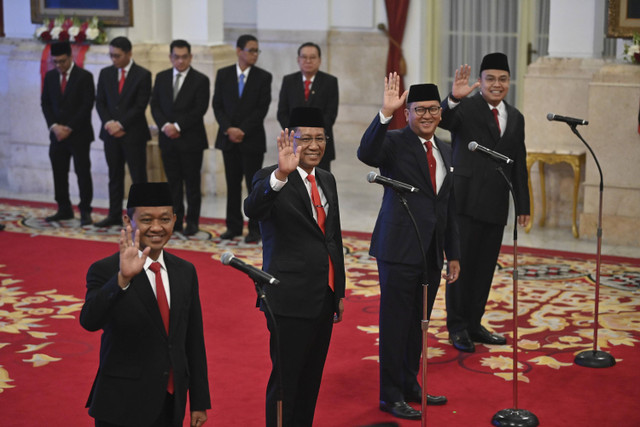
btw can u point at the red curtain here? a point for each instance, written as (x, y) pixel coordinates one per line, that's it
(397, 17)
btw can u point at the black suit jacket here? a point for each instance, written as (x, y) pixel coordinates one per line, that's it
(246, 112)
(136, 353)
(187, 110)
(324, 95)
(401, 156)
(72, 109)
(481, 191)
(127, 107)
(294, 248)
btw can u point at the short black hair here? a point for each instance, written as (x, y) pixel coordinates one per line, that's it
(244, 39)
(179, 43)
(122, 43)
(310, 44)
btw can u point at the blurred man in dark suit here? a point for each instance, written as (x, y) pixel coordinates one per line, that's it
(67, 100)
(178, 104)
(297, 206)
(147, 303)
(124, 89)
(311, 87)
(412, 155)
(241, 101)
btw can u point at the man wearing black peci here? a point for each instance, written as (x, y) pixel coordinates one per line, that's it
(296, 203)
(146, 302)
(482, 195)
(412, 155)
(67, 100)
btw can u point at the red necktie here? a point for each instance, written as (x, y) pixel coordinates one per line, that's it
(163, 305)
(63, 83)
(307, 84)
(495, 116)
(121, 83)
(322, 216)
(432, 165)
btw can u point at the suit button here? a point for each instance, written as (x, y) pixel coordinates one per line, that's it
(165, 373)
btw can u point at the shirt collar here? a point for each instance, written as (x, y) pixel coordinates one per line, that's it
(149, 261)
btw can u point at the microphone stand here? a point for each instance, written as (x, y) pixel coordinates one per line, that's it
(425, 318)
(594, 358)
(514, 417)
(259, 285)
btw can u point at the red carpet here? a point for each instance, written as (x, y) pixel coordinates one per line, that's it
(47, 361)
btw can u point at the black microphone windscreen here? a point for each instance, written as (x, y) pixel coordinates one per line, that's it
(226, 258)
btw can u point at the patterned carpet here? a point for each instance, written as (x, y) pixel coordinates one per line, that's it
(556, 302)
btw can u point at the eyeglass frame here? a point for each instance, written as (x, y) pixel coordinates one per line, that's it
(253, 51)
(306, 140)
(415, 110)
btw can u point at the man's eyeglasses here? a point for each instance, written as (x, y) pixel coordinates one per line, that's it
(253, 51)
(433, 110)
(306, 140)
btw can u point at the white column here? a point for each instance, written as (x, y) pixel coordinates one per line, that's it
(198, 21)
(576, 28)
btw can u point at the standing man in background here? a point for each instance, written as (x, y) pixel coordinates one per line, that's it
(482, 195)
(124, 89)
(178, 104)
(412, 155)
(311, 87)
(67, 100)
(297, 206)
(241, 101)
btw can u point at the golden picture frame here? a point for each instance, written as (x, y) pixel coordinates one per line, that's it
(624, 18)
(113, 13)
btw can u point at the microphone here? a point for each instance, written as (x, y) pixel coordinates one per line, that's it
(254, 273)
(473, 146)
(388, 182)
(567, 120)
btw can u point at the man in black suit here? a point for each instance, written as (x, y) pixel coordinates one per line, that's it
(67, 100)
(297, 206)
(124, 89)
(146, 301)
(311, 87)
(482, 195)
(178, 104)
(241, 101)
(412, 155)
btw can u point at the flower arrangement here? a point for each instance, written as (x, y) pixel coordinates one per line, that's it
(71, 29)
(632, 51)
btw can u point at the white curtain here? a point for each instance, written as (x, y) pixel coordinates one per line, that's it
(473, 28)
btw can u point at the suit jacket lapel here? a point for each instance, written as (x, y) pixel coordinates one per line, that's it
(417, 148)
(144, 291)
(487, 116)
(175, 289)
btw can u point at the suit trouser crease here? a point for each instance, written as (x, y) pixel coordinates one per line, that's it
(238, 165)
(118, 151)
(60, 154)
(183, 172)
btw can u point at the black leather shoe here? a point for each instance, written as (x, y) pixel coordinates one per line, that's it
(227, 235)
(431, 400)
(401, 410)
(190, 230)
(482, 335)
(60, 216)
(252, 238)
(85, 218)
(109, 221)
(462, 341)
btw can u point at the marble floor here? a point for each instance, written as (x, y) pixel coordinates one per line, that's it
(360, 201)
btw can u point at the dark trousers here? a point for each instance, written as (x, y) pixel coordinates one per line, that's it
(480, 244)
(117, 151)
(165, 419)
(60, 154)
(401, 313)
(239, 166)
(304, 344)
(183, 172)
